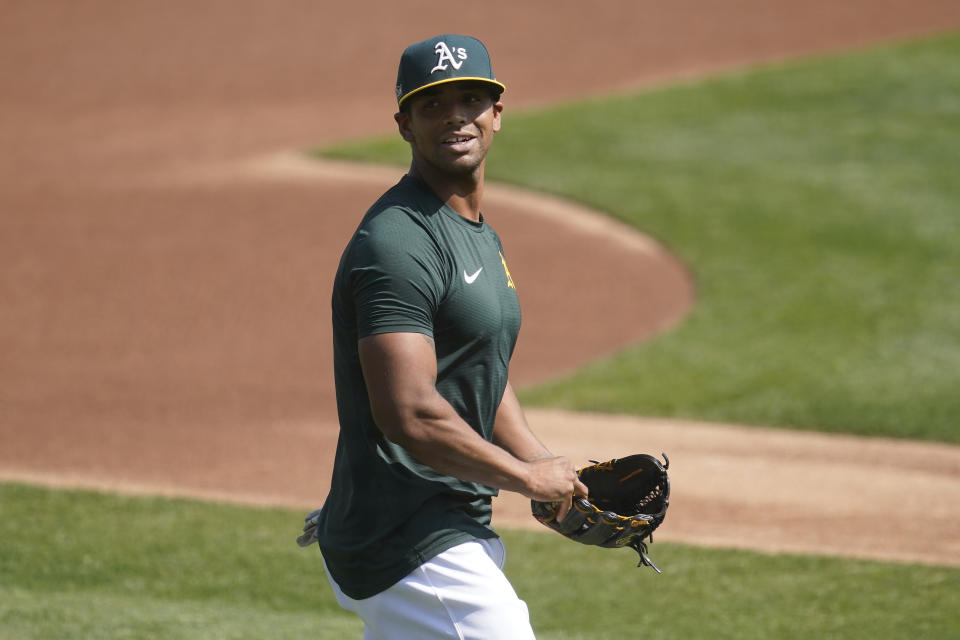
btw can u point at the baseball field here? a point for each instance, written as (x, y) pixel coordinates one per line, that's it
(734, 231)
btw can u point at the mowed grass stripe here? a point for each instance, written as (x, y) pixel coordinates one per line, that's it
(818, 207)
(80, 564)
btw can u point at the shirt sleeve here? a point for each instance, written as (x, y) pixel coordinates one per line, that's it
(396, 276)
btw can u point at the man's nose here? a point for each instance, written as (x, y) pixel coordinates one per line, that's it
(456, 114)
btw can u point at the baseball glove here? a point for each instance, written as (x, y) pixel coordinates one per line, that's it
(628, 500)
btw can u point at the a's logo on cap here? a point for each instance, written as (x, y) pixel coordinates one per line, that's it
(445, 55)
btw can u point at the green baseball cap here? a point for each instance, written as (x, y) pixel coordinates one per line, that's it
(445, 58)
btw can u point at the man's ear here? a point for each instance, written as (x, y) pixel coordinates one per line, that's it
(403, 125)
(497, 115)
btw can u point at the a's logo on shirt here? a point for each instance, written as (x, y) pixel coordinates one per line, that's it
(445, 55)
(507, 272)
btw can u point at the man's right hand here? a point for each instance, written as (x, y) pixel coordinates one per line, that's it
(555, 480)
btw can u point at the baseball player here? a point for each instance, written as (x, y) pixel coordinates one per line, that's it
(425, 319)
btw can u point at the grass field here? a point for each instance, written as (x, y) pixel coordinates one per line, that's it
(818, 208)
(87, 565)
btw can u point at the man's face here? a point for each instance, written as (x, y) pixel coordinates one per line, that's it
(450, 127)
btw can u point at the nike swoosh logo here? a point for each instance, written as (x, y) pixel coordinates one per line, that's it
(470, 279)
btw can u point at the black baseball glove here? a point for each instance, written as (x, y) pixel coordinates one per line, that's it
(628, 500)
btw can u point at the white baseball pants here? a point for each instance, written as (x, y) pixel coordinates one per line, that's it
(460, 594)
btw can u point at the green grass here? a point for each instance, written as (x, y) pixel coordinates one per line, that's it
(89, 565)
(818, 207)
(77, 564)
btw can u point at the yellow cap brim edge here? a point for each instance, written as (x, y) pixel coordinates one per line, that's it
(502, 86)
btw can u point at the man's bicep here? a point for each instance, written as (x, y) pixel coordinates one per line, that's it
(400, 371)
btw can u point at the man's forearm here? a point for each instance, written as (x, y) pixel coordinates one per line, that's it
(437, 436)
(399, 370)
(512, 432)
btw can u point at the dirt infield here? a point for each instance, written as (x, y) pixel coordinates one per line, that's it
(165, 258)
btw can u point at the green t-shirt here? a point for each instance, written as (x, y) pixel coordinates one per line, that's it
(413, 265)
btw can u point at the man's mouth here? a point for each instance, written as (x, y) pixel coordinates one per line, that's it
(457, 139)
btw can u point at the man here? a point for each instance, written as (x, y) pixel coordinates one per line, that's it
(425, 318)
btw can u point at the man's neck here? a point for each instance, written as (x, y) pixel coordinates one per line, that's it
(462, 194)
